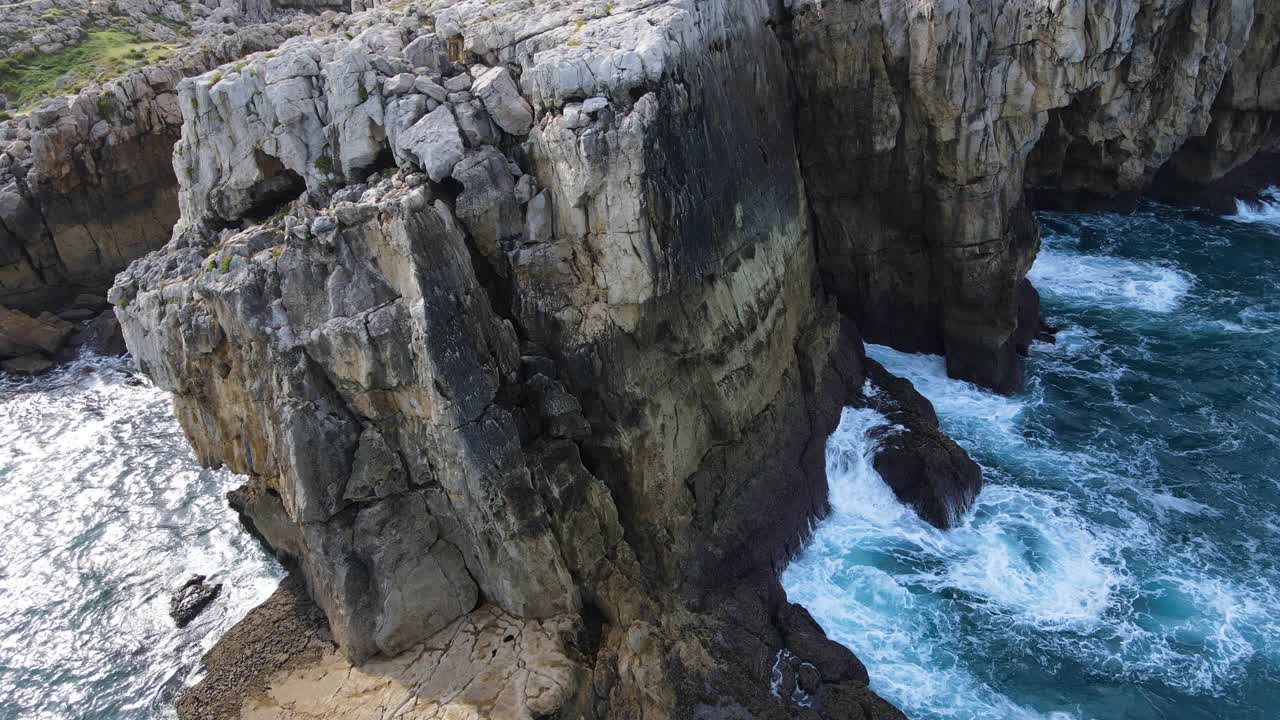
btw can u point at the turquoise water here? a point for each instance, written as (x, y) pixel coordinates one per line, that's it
(104, 511)
(1121, 560)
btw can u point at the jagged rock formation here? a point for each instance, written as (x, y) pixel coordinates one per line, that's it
(517, 306)
(921, 122)
(561, 367)
(87, 182)
(46, 26)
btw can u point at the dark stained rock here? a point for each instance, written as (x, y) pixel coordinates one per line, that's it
(1031, 324)
(76, 314)
(21, 334)
(807, 641)
(32, 364)
(926, 469)
(191, 599)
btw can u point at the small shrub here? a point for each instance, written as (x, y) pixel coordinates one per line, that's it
(122, 302)
(216, 78)
(226, 262)
(104, 105)
(324, 164)
(574, 42)
(191, 173)
(5, 116)
(364, 92)
(577, 25)
(277, 251)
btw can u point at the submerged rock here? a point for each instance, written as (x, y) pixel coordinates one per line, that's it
(924, 467)
(32, 364)
(191, 599)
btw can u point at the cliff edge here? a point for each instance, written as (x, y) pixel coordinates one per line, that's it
(532, 319)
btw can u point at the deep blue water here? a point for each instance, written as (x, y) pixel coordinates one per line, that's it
(1121, 560)
(104, 511)
(1119, 563)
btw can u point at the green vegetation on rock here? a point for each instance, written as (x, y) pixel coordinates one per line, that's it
(28, 78)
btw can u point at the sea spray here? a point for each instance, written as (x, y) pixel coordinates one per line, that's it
(1116, 563)
(1265, 209)
(105, 513)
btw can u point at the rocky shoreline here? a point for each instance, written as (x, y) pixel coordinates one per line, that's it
(531, 319)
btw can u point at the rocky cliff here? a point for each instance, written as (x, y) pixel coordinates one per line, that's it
(921, 124)
(86, 181)
(519, 311)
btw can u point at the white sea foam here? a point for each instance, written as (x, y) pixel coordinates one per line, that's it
(1265, 210)
(1023, 555)
(1033, 569)
(1105, 281)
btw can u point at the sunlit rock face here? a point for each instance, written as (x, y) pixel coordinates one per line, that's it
(87, 182)
(517, 328)
(527, 304)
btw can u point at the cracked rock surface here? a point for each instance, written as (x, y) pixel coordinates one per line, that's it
(545, 311)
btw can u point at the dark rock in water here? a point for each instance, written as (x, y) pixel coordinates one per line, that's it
(1031, 324)
(32, 364)
(89, 301)
(285, 626)
(925, 468)
(805, 639)
(102, 335)
(191, 599)
(76, 314)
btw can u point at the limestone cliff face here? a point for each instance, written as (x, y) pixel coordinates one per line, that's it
(922, 122)
(529, 335)
(523, 306)
(86, 182)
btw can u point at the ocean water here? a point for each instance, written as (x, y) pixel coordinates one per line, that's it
(1121, 561)
(104, 512)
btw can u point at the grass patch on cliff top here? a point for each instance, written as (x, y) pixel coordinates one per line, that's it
(30, 78)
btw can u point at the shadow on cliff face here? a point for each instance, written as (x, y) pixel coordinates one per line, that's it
(576, 350)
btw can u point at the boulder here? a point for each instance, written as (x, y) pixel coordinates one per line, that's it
(435, 142)
(33, 364)
(925, 468)
(21, 334)
(191, 599)
(496, 88)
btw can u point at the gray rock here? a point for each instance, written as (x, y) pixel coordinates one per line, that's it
(487, 205)
(398, 85)
(538, 223)
(497, 89)
(376, 471)
(458, 83)
(474, 123)
(435, 142)
(428, 87)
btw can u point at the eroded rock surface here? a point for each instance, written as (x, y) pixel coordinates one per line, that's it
(922, 122)
(87, 182)
(518, 306)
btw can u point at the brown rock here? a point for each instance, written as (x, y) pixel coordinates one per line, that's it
(26, 365)
(21, 334)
